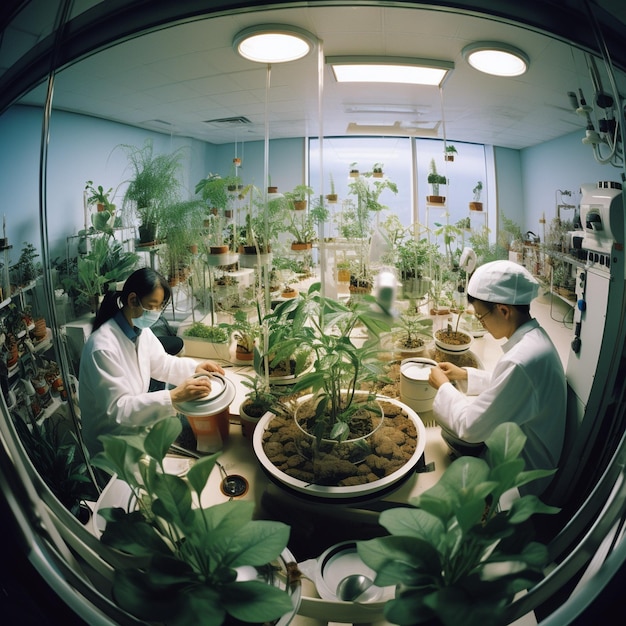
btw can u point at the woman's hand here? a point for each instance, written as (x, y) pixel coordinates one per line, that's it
(191, 389)
(206, 367)
(444, 373)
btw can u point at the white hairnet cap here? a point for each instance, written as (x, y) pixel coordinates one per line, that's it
(503, 282)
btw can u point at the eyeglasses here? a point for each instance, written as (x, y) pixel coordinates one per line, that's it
(152, 308)
(480, 318)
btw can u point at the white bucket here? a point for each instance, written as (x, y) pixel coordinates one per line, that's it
(414, 388)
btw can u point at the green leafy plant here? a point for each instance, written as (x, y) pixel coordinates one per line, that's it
(477, 191)
(215, 334)
(299, 193)
(261, 397)
(218, 192)
(412, 330)
(57, 456)
(189, 555)
(434, 178)
(456, 556)
(451, 149)
(154, 183)
(26, 267)
(245, 332)
(324, 327)
(97, 195)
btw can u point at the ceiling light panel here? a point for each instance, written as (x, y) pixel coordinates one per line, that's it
(273, 43)
(496, 58)
(405, 70)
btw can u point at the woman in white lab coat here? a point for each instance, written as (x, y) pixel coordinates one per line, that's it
(527, 385)
(122, 355)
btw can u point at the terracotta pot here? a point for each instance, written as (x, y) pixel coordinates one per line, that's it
(289, 293)
(299, 205)
(299, 245)
(436, 199)
(331, 197)
(272, 190)
(343, 276)
(354, 173)
(39, 332)
(248, 422)
(218, 249)
(449, 157)
(243, 355)
(377, 174)
(476, 206)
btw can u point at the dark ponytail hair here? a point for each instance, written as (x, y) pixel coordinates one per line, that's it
(142, 282)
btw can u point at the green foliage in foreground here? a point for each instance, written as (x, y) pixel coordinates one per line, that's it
(187, 556)
(456, 557)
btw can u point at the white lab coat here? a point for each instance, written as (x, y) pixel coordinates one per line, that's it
(527, 387)
(114, 378)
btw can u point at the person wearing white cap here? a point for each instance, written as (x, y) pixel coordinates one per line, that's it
(528, 384)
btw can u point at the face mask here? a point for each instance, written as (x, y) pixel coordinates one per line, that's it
(147, 319)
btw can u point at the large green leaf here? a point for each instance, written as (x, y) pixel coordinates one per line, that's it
(255, 601)
(256, 543)
(199, 472)
(397, 559)
(129, 533)
(505, 443)
(412, 523)
(173, 501)
(161, 436)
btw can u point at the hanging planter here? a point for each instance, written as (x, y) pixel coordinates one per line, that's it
(299, 205)
(301, 245)
(331, 197)
(476, 206)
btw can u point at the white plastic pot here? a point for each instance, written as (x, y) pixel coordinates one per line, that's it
(414, 388)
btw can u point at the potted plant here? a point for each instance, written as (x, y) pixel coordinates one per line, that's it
(260, 398)
(449, 152)
(57, 456)
(98, 196)
(325, 327)
(413, 258)
(477, 205)
(208, 342)
(454, 554)
(332, 196)
(298, 197)
(453, 339)
(153, 186)
(435, 180)
(354, 170)
(190, 561)
(245, 333)
(302, 228)
(377, 170)
(410, 333)
(181, 223)
(26, 268)
(218, 192)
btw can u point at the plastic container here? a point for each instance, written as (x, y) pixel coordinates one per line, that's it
(209, 417)
(414, 388)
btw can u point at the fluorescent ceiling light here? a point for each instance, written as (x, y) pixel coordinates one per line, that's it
(397, 129)
(495, 58)
(407, 70)
(273, 43)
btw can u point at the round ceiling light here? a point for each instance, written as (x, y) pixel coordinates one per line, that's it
(495, 58)
(273, 43)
